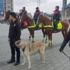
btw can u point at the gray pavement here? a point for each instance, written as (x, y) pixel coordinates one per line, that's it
(54, 59)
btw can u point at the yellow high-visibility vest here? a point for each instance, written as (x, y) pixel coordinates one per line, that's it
(59, 25)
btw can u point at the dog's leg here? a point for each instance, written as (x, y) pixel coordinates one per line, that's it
(24, 60)
(29, 62)
(42, 55)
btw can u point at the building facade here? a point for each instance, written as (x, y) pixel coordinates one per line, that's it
(8, 5)
(5, 5)
(66, 10)
(1, 7)
(63, 8)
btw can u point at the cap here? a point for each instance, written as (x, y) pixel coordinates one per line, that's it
(37, 7)
(57, 6)
(13, 14)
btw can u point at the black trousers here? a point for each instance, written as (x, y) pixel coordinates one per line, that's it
(14, 51)
(66, 40)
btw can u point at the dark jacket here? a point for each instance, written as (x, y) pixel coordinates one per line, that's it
(56, 15)
(14, 31)
(36, 14)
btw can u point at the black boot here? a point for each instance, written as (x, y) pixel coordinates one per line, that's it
(17, 62)
(11, 61)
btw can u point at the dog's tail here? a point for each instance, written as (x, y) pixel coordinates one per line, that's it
(17, 42)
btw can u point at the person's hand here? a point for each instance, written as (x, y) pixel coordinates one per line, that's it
(60, 50)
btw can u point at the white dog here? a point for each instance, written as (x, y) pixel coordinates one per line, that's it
(30, 48)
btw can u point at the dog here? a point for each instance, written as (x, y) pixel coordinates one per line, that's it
(31, 48)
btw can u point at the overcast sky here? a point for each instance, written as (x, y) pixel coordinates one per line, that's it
(45, 5)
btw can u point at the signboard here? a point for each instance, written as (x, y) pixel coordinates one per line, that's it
(1, 7)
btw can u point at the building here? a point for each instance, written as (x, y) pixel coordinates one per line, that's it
(66, 10)
(1, 7)
(5, 5)
(8, 5)
(63, 8)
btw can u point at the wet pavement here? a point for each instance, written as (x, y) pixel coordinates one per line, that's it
(54, 59)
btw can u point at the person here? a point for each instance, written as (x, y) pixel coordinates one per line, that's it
(24, 12)
(20, 12)
(14, 35)
(56, 17)
(36, 14)
(66, 40)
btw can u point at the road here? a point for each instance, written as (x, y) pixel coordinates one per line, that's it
(54, 59)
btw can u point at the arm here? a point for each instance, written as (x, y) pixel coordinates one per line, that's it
(66, 40)
(18, 32)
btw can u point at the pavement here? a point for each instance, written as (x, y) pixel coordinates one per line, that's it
(54, 59)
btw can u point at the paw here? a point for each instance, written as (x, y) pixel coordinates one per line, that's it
(29, 67)
(43, 62)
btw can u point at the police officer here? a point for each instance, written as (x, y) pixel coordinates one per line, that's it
(24, 11)
(56, 16)
(36, 14)
(14, 35)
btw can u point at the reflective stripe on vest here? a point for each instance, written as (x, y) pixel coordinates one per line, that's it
(49, 25)
(33, 26)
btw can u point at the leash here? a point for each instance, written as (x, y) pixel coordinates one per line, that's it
(66, 55)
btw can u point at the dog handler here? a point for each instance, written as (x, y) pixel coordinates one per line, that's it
(14, 35)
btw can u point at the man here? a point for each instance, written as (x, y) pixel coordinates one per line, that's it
(56, 17)
(24, 12)
(14, 35)
(36, 14)
(66, 40)
(20, 12)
